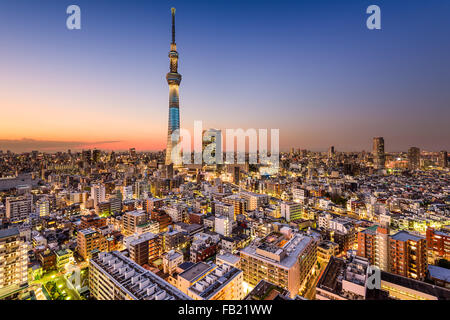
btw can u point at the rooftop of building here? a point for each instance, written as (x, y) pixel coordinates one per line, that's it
(172, 255)
(439, 292)
(195, 271)
(212, 283)
(136, 239)
(186, 265)
(188, 227)
(285, 250)
(228, 257)
(439, 273)
(5, 233)
(406, 236)
(136, 213)
(139, 283)
(88, 231)
(266, 290)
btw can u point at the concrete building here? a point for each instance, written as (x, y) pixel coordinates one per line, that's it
(174, 80)
(379, 157)
(43, 207)
(291, 210)
(98, 194)
(132, 220)
(413, 158)
(254, 200)
(343, 279)
(282, 260)
(13, 263)
(18, 208)
(171, 260)
(89, 242)
(205, 281)
(373, 244)
(223, 225)
(408, 255)
(438, 245)
(112, 276)
(143, 248)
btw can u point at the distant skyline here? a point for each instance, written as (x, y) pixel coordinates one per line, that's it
(310, 68)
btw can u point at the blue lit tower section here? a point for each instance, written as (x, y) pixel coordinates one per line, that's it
(173, 79)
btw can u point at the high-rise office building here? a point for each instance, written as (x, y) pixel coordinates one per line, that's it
(413, 158)
(379, 157)
(331, 152)
(237, 175)
(174, 80)
(443, 159)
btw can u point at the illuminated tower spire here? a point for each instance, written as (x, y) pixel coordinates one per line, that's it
(173, 79)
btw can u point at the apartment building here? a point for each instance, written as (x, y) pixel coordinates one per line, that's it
(13, 263)
(18, 208)
(90, 241)
(254, 200)
(438, 245)
(143, 248)
(373, 244)
(286, 261)
(204, 281)
(291, 211)
(112, 276)
(408, 255)
(132, 220)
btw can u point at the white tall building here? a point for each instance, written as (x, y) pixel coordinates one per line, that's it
(43, 208)
(291, 210)
(223, 225)
(127, 192)
(98, 194)
(112, 276)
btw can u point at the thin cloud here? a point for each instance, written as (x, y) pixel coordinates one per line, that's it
(27, 145)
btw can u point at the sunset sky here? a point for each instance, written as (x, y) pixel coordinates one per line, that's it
(309, 68)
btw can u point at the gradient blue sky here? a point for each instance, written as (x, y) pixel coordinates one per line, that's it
(310, 68)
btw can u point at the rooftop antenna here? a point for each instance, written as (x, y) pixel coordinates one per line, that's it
(173, 24)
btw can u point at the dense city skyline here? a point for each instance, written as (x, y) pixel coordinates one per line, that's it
(104, 85)
(224, 213)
